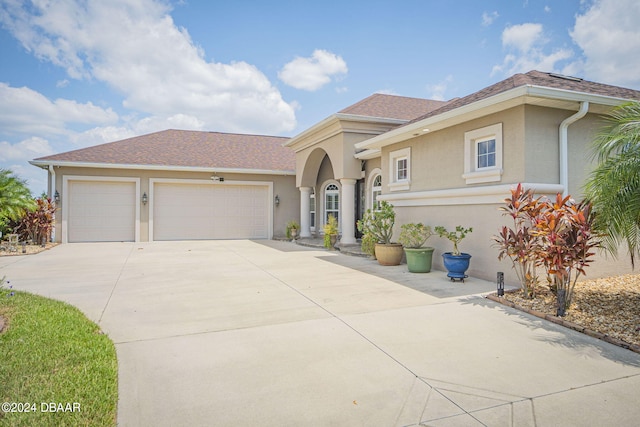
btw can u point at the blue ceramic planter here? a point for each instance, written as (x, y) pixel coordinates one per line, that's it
(456, 265)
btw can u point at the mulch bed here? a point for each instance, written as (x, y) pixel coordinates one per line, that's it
(607, 308)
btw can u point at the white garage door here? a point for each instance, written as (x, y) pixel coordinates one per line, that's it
(101, 211)
(210, 211)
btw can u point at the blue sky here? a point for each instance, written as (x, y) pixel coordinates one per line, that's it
(76, 73)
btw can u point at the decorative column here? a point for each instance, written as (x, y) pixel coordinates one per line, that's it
(348, 211)
(305, 196)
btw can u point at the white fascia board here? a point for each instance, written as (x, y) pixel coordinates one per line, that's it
(368, 154)
(45, 164)
(339, 117)
(570, 95)
(404, 132)
(313, 129)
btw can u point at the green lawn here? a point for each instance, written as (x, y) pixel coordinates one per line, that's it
(54, 363)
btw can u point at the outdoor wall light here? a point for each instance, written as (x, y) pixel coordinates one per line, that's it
(500, 280)
(56, 197)
(277, 200)
(145, 199)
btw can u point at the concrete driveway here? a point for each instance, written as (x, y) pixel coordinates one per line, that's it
(240, 333)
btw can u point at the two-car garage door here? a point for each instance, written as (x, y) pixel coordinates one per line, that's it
(105, 210)
(205, 211)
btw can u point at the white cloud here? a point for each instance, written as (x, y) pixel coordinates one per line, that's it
(489, 17)
(27, 111)
(609, 36)
(24, 150)
(387, 92)
(135, 47)
(314, 72)
(522, 37)
(525, 45)
(438, 90)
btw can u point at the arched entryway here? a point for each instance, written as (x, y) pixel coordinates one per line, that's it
(332, 195)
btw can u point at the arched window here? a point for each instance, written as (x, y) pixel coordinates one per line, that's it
(331, 202)
(376, 191)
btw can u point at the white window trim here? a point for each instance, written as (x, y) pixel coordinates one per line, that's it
(369, 196)
(313, 208)
(321, 220)
(394, 183)
(473, 174)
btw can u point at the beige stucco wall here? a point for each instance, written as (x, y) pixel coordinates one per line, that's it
(486, 221)
(542, 147)
(437, 158)
(283, 187)
(530, 154)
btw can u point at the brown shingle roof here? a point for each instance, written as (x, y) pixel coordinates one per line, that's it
(184, 148)
(392, 106)
(537, 78)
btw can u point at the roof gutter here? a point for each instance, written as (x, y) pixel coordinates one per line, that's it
(48, 164)
(403, 132)
(564, 145)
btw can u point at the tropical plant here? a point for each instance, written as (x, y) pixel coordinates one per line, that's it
(292, 225)
(564, 244)
(379, 224)
(37, 225)
(15, 198)
(454, 236)
(368, 244)
(613, 187)
(517, 242)
(414, 235)
(330, 229)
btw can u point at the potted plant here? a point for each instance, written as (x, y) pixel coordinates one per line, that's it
(455, 261)
(379, 226)
(330, 232)
(412, 237)
(292, 229)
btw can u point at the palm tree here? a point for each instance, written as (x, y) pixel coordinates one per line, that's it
(15, 197)
(614, 185)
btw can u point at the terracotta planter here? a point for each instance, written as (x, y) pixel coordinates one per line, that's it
(389, 254)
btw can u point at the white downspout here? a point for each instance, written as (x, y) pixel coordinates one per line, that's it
(52, 194)
(564, 151)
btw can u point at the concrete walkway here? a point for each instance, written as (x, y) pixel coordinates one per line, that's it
(242, 333)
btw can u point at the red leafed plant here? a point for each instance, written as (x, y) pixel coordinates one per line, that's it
(517, 242)
(554, 234)
(37, 225)
(565, 242)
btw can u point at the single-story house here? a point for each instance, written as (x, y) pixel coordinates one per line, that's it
(438, 162)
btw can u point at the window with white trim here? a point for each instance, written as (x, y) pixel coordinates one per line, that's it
(486, 153)
(400, 169)
(331, 202)
(312, 210)
(376, 191)
(483, 155)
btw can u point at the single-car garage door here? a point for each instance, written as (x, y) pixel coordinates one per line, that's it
(101, 211)
(206, 211)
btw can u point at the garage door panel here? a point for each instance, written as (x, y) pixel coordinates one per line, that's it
(209, 211)
(101, 211)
